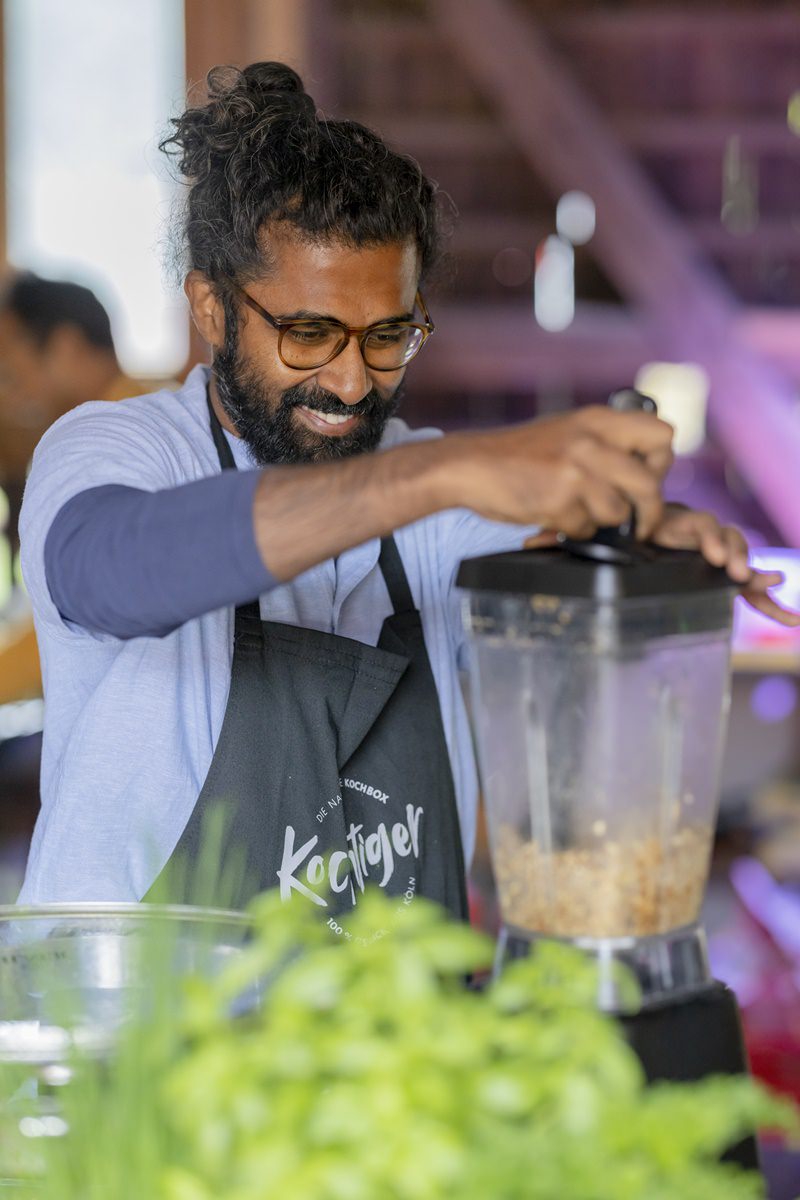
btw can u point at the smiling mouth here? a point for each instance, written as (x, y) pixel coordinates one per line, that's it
(330, 424)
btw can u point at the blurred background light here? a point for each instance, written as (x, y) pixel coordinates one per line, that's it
(681, 392)
(576, 217)
(554, 284)
(793, 113)
(774, 698)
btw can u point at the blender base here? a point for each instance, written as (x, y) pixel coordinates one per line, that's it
(687, 1040)
(683, 1037)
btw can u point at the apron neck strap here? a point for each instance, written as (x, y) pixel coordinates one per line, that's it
(394, 576)
(227, 463)
(224, 452)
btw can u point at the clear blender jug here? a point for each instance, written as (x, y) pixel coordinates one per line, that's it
(600, 685)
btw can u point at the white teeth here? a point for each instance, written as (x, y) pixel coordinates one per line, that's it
(328, 418)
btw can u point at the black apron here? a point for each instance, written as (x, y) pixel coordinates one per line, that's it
(332, 766)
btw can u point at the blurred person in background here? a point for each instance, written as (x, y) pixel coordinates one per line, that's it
(56, 348)
(56, 351)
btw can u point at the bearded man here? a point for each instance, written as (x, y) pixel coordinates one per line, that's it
(244, 591)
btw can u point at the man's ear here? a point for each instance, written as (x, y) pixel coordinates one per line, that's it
(208, 313)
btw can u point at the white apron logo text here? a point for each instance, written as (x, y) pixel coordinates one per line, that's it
(357, 785)
(301, 870)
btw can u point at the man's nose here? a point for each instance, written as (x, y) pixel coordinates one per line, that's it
(346, 375)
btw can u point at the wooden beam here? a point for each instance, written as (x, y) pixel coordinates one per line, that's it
(499, 347)
(725, 25)
(628, 27)
(643, 247)
(482, 234)
(684, 134)
(773, 237)
(215, 34)
(438, 135)
(238, 32)
(297, 33)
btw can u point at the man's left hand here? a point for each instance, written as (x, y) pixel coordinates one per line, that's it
(723, 546)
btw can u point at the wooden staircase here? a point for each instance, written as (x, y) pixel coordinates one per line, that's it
(675, 120)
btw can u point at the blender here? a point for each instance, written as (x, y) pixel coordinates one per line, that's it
(599, 675)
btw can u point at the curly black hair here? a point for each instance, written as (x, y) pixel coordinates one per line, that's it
(257, 153)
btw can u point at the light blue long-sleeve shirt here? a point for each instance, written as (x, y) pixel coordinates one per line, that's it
(131, 725)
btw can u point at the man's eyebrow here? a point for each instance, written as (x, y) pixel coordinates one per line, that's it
(303, 314)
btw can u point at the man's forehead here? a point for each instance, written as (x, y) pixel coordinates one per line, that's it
(297, 262)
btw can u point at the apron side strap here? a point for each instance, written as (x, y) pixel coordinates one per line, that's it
(250, 611)
(224, 452)
(394, 576)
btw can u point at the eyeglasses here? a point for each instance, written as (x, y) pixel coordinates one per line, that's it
(306, 344)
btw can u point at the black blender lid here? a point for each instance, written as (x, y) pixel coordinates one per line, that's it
(606, 568)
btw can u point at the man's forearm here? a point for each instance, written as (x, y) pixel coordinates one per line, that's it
(134, 563)
(304, 515)
(571, 473)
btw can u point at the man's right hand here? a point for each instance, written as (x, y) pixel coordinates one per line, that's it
(571, 473)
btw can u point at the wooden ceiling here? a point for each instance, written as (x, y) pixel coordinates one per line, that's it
(678, 86)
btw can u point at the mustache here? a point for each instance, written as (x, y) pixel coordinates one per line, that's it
(327, 402)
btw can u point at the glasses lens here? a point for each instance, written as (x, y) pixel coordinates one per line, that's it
(391, 346)
(310, 344)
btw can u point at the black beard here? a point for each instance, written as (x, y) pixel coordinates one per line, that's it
(263, 418)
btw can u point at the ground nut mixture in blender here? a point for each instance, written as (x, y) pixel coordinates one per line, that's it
(630, 887)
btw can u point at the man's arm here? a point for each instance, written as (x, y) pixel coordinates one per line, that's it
(133, 563)
(572, 472)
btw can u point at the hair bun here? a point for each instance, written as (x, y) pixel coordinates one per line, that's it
(263, 87)
(244, 111)
(254, 152)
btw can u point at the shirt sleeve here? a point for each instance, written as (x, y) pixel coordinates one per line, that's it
(131, 563)
(152, 533)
